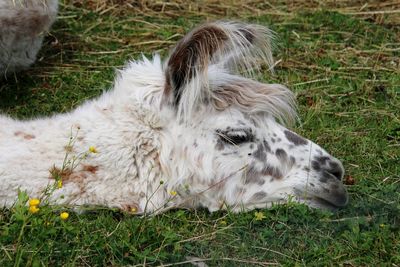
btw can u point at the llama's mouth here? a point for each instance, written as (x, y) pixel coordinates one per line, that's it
(320, 203)
(333, 201)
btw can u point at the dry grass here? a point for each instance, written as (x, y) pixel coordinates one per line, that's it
(385, 12)
(378, 58)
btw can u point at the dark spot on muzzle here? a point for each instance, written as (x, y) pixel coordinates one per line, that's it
(260, 153)
(266, 146)
(295, 139)
(281, 154)
(315, 165)
(262, 150)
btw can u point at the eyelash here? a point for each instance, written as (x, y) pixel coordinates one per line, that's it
(236, 139)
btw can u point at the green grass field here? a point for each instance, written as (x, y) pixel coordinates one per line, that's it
(342, 59)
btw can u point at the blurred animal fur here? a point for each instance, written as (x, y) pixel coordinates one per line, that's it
(23, 23)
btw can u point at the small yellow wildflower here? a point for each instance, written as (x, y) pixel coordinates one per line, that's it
(133, 210)
(223, 222)
(259, 215)
(173, 193)
(92, 149)
(382, 225)
(59, 184)
(33, 209)
(34, 202)
(64, 215)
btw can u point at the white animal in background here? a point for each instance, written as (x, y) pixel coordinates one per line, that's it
(23, 23)
(190, 132)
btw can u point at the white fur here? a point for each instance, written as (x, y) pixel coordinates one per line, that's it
(23, 24)
(146, 153)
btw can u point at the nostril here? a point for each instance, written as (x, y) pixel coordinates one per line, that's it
(336, 170)
(328, 167)
(337, 174)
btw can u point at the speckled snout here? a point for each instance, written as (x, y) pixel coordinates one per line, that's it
(325, 189)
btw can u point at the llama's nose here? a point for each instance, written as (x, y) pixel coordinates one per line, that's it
(336, 169)
(328, 167)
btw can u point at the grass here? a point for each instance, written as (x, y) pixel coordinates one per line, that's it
(342, 60)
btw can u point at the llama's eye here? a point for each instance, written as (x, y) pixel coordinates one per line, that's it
(236, 137)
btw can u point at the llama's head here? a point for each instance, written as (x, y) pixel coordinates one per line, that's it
(227, 146)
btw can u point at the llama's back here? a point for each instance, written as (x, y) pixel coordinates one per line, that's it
(22, 26)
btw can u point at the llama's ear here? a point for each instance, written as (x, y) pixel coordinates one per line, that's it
(223, 45)
(190, 57)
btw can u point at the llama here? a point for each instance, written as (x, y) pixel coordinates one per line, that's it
(192, 132)
(22, 24)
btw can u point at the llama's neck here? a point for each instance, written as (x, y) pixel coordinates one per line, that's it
(121, 125)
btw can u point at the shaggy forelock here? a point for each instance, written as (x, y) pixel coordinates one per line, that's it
(252, 97)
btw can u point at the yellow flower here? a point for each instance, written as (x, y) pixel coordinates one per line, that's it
(33, 209)
(92, 149)
(64, 215)
(173, 193)
(133, 210)
(223, 222)
(259, 216)
(59, 184)
(34, 202)
(382, 225)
